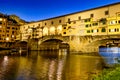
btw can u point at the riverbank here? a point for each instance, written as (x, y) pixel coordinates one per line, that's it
(110, 73)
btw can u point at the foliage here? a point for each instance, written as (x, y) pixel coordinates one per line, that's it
(109, 74)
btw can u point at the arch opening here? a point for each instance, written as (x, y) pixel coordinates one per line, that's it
(53, 44)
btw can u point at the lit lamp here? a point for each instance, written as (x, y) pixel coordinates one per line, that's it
(7, 39)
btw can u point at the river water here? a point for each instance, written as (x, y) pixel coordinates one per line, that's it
(46, 65)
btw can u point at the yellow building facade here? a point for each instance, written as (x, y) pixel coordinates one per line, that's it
(8, 31)
(104, 20)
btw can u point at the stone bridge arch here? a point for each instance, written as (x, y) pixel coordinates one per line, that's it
(52, 42)
(92, 43)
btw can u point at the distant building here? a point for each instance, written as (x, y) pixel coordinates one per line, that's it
(104, 20)
(8, 30)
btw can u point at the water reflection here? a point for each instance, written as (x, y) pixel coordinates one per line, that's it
(44, 65)
(111, 55)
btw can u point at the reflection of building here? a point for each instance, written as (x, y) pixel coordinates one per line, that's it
(103, 20)
(8, 29)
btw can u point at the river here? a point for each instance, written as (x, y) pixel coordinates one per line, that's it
(49, 65)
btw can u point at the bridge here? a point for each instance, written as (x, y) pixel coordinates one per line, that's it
(80, 33)
(73, 43)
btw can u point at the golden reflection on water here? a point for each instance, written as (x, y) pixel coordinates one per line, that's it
(49, 66)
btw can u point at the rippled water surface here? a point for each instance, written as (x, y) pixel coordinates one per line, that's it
(49, 66)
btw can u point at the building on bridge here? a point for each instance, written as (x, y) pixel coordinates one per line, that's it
(100, 21)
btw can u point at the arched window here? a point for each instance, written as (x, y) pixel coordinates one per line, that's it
(52, 30)
(45, 31)
(59, 29)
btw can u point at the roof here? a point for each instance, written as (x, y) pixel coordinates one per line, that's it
(80, 11)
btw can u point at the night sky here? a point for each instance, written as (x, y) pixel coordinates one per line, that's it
(34, 10)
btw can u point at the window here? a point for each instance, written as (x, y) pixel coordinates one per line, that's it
(7, 35)
(52, 22)
(92, 31)
(68, 19)
(45, 23)
(13, 28)
(64, 32)
(69, 22)
(8, 27)
(87, 20)
(97, 30)
(88, 25)
(91, 15)
(64, 27)
(113, 22)
(12, 32)
(106, 12)
(111, 30)
(7, 31)
(79, 18)
(74, 22)
(117, 30)
(95, 24)
(88, 31)
(119, 21)
(60, 21)
(103, 30)
(38, 24)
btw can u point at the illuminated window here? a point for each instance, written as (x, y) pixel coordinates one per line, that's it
(111, 30)
(59, 29)
(95, 31)
(7, 39)
(0, 19)
(52, 30)
(113, 22)
(45, 31)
